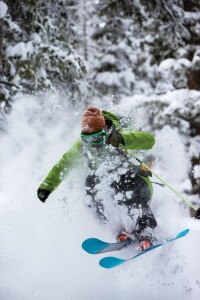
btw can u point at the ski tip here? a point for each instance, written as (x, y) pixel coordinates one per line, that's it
(87, 245)
(183, 233)
(93, 245)
(186, 231)
(110, 262)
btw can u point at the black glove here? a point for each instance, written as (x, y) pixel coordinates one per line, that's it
(43, 194)
(114, 139)
(197, 214)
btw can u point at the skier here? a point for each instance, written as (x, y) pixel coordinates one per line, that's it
(114, 181)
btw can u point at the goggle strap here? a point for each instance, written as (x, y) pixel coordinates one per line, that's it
(93, 134)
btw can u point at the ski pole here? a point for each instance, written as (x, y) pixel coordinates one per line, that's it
(165, 183)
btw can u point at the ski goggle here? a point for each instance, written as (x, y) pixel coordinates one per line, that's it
(97, 138)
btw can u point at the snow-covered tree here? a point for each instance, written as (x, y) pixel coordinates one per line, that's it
(112, 72)
(38, 49)
(132, 39)
(174, 47)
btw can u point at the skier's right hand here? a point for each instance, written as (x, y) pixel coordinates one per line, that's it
(43, 194)
(115, 139)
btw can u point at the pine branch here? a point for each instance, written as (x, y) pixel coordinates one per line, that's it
(9, 84)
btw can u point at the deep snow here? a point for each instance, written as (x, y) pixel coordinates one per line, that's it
(40, 244)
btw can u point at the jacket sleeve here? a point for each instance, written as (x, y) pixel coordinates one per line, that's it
(62, 168)
(138, 140)
(132, 140)
(111, 117)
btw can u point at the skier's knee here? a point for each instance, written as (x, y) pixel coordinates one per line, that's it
(152, 223)
(147, 220)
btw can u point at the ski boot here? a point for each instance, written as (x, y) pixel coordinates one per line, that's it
(123, 236)
(145, 243)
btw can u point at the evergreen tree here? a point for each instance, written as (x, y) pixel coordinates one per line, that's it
(37, 51)
(112, 72)
(131, 41)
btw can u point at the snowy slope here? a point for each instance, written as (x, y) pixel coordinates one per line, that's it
(40, 244)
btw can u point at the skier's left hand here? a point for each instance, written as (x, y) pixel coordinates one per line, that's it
(197, 214)
(115, 139)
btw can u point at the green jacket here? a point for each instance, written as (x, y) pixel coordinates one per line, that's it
(132, 141)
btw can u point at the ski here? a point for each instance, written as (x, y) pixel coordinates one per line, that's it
(111, 262)
(96, 246)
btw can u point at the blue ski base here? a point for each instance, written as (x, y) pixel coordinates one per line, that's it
(111, 262)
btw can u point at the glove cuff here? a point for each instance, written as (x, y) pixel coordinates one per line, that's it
(115, 139)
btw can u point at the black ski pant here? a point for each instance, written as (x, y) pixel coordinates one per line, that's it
(127, 183)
